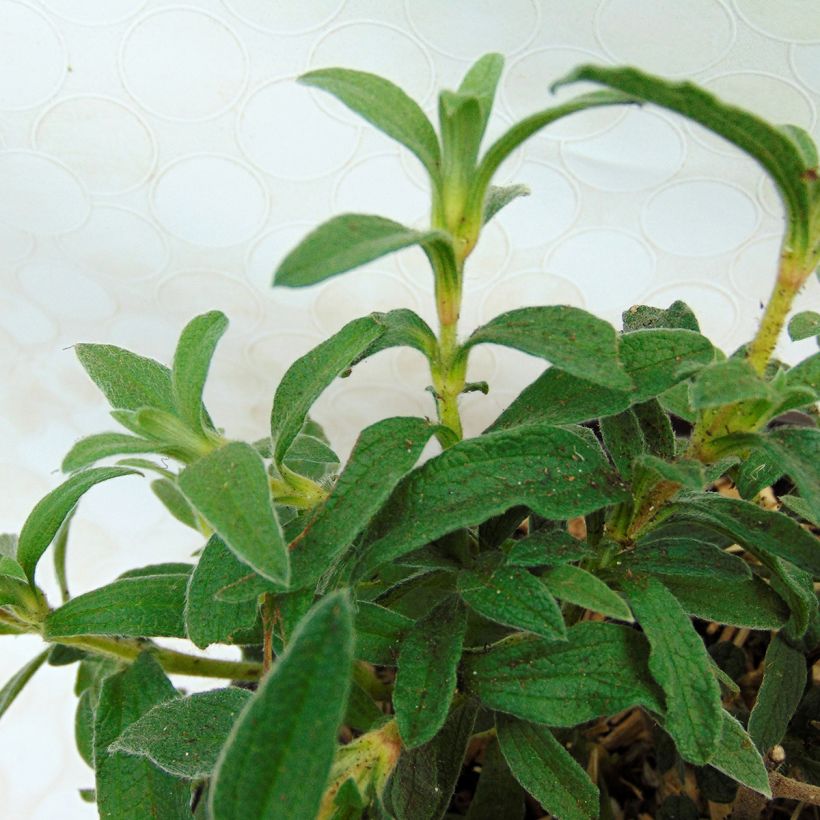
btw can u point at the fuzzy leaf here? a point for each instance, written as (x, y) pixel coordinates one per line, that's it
(481, 82)
(726, 382)
(174, 501)
(547, 770)
(379, 633)
(207, 619)
(678, 314)
(384, 105)
(230, 490)
(599, 670)
(15, 685)
(192, 360)
(582, 588)
(623, 439)
(679, 662)
(547, 547)
(737, 757)
(426, 678)
(183, 736)
(804, 325)
(48, 515)
(268, 774)
(308, 376)
(499, 196)
(102, 445)
(145, 606)
(570, 338)
(683, 556)
(555, 472)
(132, 788)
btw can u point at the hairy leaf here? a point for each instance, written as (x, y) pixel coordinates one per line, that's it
(498, 197)
(546, 547)
(15, 685)
(379, 633)
(174, 501)
(577, 586)
(102, 445)
(737, 757)
(726, 382)
(804, 325)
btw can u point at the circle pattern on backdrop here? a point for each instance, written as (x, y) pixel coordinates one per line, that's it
(285, 18)
(95, 12)
(791, 20)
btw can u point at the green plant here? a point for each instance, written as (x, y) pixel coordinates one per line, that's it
(498, 600)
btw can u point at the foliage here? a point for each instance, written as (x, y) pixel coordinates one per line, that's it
(505, 598)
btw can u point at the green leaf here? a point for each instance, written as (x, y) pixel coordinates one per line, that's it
(49, 513)
(384, 105)
(570, 338)
(784, 679)
(102, 445)
(145, 606)
(498, 793)
(547, 547)
(422, 783)
(678, 314)
(514, 597)
(362, 712)
(806, 374)
(308, 376)
(547, 770)
(481, 82)
(132, 788)
(656, 429)
(207, 619)
(402, 328)
(268, 774)
(679, 662)
(192, 360)
(498, 197)
(677, 555)
(599, 670)
(379, 633)
(726, 382)
(382, 456)
(623, 439)
(127, 380)
(346, 242)
(311, 457)
(799, 506)
(426, 678)
(15, 685)
(737, 757)
(229, 488)
(15, 590)
(555, 472)
(797, 451)
(183, 736)
(582, 588)
(167, 568)
(804, 325)
(773, 149)
(174, 501)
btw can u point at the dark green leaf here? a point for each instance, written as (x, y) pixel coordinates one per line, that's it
(384, 105)
(132, 788)
(426, 678)
(207, 619)
(183, 736)
(600, 670)
(268, 774)
(174, 501)
(737, 757)
(546, 547)
(15, 685)
(547, 770)
(127, 380)
(402, 328)
(678, 314)
(656, 429)
(804, 325)
(308, 376)
(102, 445)
(570, 338)
(499, 197)
(623, 439)
(513, 597)
(498, 793)
(784, 679)
(192, 360)
(577, 586)
(383, 454)
(49, 513)
(681, 556)
(230, 490)
(555, 472)
(800, 507)
(679, 662)
(146, 606)
(346, 242)
(168, 568)
(362, 712)
(726, 382)
(379, 633)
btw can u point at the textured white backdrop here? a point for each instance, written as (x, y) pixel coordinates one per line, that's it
(157, 160)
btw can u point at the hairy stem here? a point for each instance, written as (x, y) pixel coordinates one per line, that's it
(269, 614)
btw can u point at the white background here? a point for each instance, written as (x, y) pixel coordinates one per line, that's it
(157, 160)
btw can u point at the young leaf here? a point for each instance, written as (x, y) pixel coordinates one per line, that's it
(426, 678)
(582, 588)
(183, 736)
(102, 445)
(599, 670)
(145, 606)
(784, 679)
(481, 82)
(546, 769)
(308, 376)
(570, 338)
(737, 757)
(174, 501)
(379, 633)
(555, 472)
(498, 793)
(132, 788)
(192, 359)
(402, 328)
(498, 197)
(207, 619)
(680, 664)
(127, 380)
(49, 513)
(422, 783)
(804, 325)
(346, 242)
(384, 105)
(277, 758)
(726, 382)
(230, 490)
(15, 685)
(514, 597)
(383, 454)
